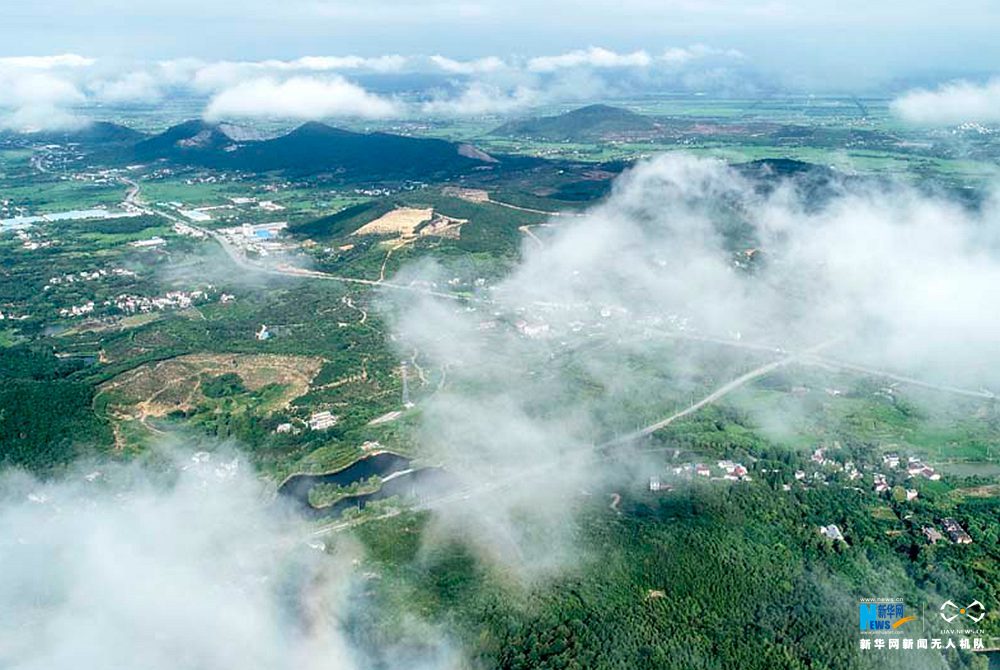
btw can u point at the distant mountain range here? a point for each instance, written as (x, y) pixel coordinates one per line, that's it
(590, 123)
(309, 149)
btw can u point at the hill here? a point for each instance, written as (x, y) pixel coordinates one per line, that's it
(315, 147)
(181, 143)
(593, 122)
(96, 134)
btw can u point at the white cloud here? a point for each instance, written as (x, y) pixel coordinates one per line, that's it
(477, 66)
(134, 87)
(387, 63)
(197, 573)
(47, 62)
(905, 279)
(595, 57)
(482, 98)
(298, 98)
(33, 100)
(953, 103)
(684, 55)
(219, 74)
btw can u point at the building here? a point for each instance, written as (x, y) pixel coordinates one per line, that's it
(932, 534)
(322, 420)
(955, 531)
(832, 532)
(263, 333)
(155, 241)
(911, 494)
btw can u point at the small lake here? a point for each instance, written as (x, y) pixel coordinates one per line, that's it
(412, 485)
(395, 471)
(382, 465)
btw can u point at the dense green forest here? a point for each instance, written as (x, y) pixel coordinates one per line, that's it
(46, 421)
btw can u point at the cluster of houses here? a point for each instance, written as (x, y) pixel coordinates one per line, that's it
(29, 243)
(725, 470)
(139, 304)
(84, 275)
(182, 228)
(378, 191)
(532, 330)
(880, 482)
(77, 310)
(914, 466)
(954, 530)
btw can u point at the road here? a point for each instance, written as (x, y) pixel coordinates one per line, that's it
(874, 372)
(285, 269)
(807, 356)
(597, 452)
(535, 211)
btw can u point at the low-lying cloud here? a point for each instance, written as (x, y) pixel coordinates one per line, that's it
(476, 66)
(596, 57)
(298, 98)
(36, 99)
(571, 349)
(182, 565)
(951, 104)
(311, 87)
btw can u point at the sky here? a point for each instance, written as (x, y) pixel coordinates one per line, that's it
(805, 42)
(395, 59)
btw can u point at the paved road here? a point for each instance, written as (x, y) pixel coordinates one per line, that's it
(874, 372)
(240, 259)
(596, 452)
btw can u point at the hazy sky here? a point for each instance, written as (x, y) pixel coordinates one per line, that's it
(807, 42)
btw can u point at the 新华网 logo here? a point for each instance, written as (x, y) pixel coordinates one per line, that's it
(882, 616)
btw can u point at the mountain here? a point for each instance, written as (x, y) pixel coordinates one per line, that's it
(181, 142)
(593, 122)
(314, 147)
(93, 134)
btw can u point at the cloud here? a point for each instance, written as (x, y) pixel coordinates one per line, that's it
(185, 564)
(387, 63)
(595, 57)
(953, 103)
(684, 55)
(298, 98)
(477, 66)
(36, 100)
(312, 87)
(47, 62)
(216, 75)
(480, 98)
(596, 331)
(134, 87)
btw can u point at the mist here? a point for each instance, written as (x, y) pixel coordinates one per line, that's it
(689, 275)
(179, 561)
